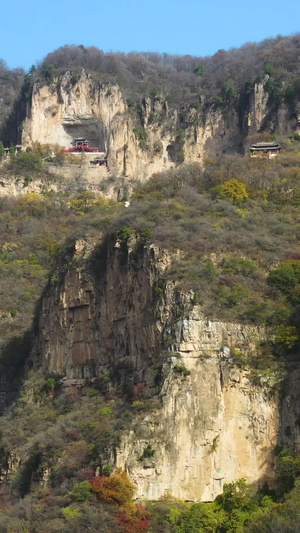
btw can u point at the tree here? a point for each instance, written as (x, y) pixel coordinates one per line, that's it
(24, 163)
(286, 276)
(48, 71)
(288, 469)
(1, 149)
(81, 492)
(235, 190)
(232, 189)
(114, 489)
(201, 517)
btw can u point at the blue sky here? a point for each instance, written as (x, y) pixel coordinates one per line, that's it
(32, 28)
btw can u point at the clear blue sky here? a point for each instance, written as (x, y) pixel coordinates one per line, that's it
(32, 28)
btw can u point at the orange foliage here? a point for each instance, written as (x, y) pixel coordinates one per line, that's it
(134, 518)
(114, 489)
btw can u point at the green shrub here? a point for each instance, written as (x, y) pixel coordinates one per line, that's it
(71, 513)
(285, 277)
(285, 337)
(139, 405)
(124, 234)
(105, 411)
(142, 137)
(288, 469)
(146, 235)
(50, 384)
(81, 492)
(200, 517)
(25, 163)
(147, 453)
(238, 265)
(47, 70)
(181, 369)
(107, 470)
(234, 295)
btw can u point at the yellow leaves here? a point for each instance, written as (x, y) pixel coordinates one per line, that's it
(235, 190)
(30, 198)
(44, 150)
(88, 200)
(46, 243)
(293, 174)
(244, 212)
(285, 336)
(9, 247)
(30, 266)
(32, 203)
(71, 512)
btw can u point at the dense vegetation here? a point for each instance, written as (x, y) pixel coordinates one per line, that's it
(232, 221)
(62, 441)
(223, 80)
(10, 89)
(236, 225)
(186, 77)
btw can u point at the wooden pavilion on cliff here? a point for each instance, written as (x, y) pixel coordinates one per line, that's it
(99, 162)
(270, 149)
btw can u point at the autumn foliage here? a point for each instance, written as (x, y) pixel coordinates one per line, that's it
(134, 518)
(114, 489)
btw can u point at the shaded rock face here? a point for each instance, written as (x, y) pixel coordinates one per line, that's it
(263, 116)
(205, 423)
(101, 315)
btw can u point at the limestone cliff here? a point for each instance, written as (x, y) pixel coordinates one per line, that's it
(200, 416)
(71, 178)
(56, 114)
(263, 117)
(100, 113)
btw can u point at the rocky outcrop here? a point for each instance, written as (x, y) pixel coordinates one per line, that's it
(263, 115)
(99, 314)
(70, 178)
(213, 426)
(201, 421)
(100, 113)
(258, 108)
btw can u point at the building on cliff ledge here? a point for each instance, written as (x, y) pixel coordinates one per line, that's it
(99, 162)
(269, 149)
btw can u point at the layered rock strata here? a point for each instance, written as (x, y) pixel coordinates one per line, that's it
(202, 419)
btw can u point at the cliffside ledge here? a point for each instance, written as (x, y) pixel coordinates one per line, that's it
(199, 411)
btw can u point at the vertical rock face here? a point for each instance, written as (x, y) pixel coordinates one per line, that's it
(57, 114)
(258, 108)
(101, 313)
(263, 117)
(201, 421)
(99, 112)
(213, 428)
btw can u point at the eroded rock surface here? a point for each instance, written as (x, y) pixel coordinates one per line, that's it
(100, 113)
(200, 413)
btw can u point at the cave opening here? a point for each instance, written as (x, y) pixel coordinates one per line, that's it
(90, 129)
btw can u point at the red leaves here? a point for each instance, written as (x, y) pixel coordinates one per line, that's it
(114, 489)
(134, 518)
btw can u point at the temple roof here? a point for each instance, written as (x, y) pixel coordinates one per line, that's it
(265, 146)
